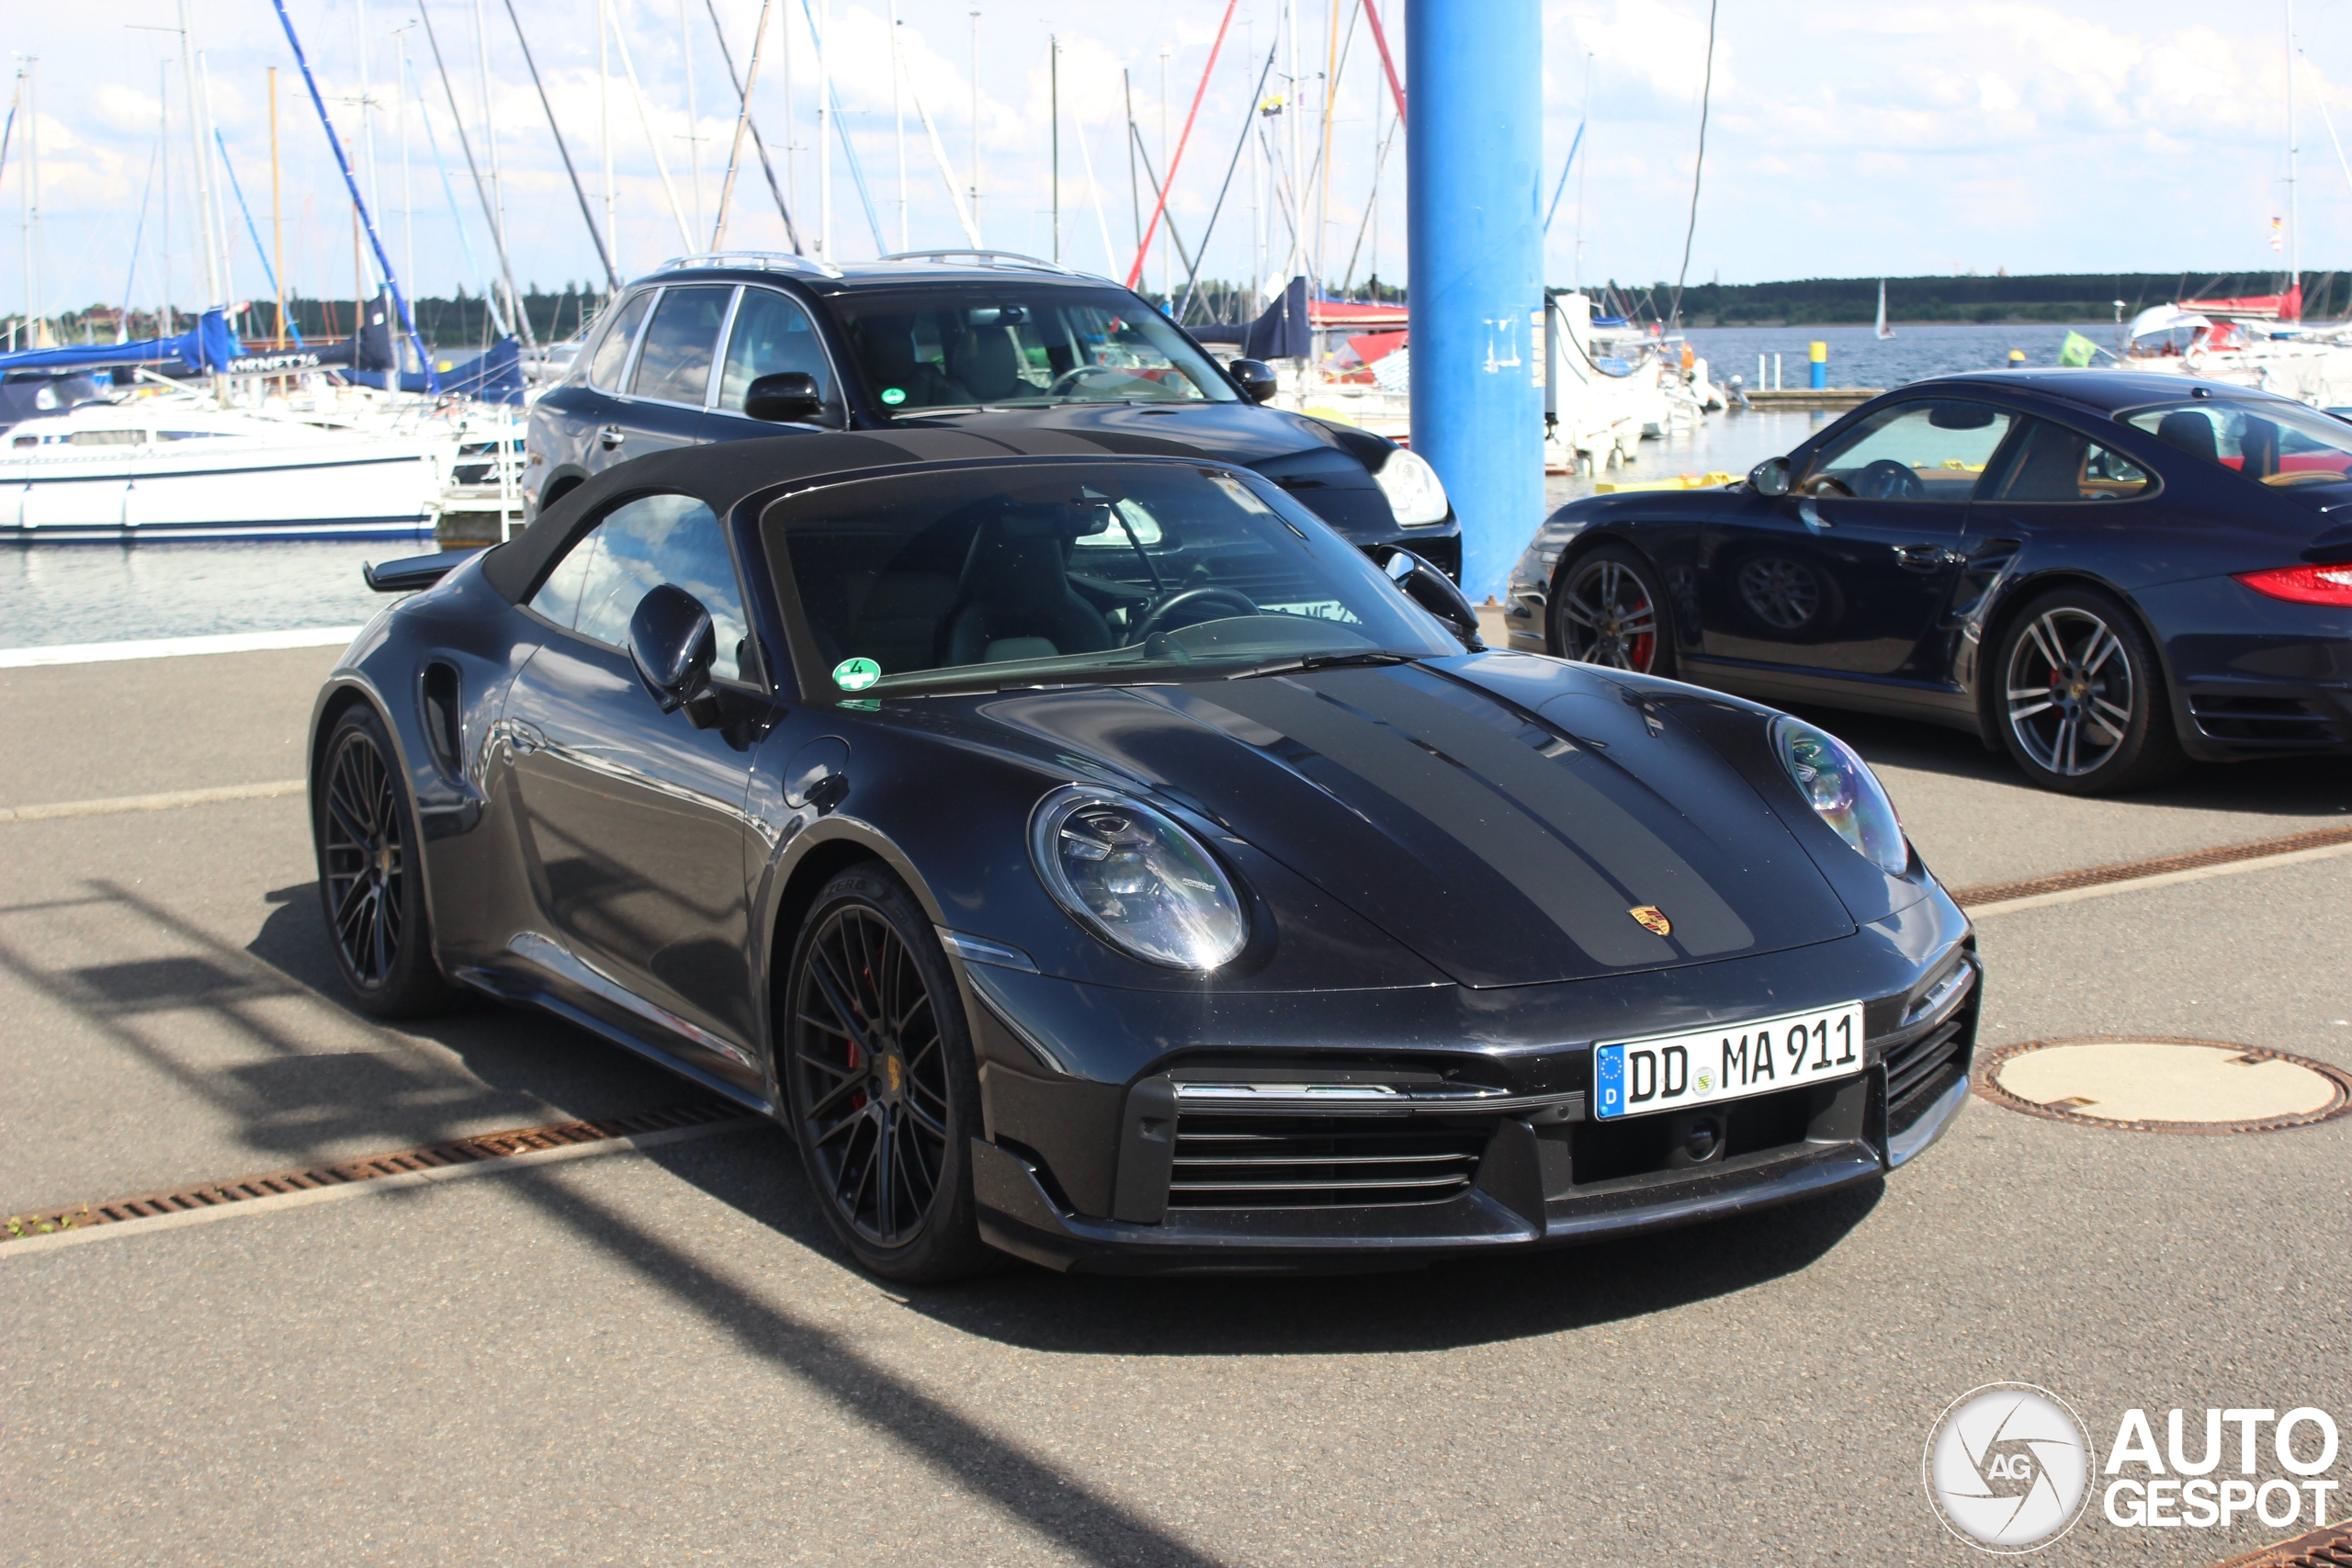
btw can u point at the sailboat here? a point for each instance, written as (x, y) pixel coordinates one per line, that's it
(1884, 330)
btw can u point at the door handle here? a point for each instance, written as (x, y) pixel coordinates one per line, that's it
(1926, 557)
(612, 435)
(1810, 515)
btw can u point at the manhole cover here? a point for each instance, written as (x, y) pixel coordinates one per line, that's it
(2164, 1086)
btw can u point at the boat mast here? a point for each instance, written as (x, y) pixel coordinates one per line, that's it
(214, 293)
(497, 203)
(693, 117)
(898, 120)
(164, 313)
(276, 212)
(604, 114)
(359, 203)
(824, 133)
(492, 213)
(28, 201)
(975, 127)
(2294, 221)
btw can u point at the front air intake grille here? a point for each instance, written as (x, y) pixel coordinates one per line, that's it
(1916, 1073)
(1319, 1162)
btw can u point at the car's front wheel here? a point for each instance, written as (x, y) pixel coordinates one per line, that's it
(878, 1072)
(370, 884)
(2082, 702)
(1607, 608)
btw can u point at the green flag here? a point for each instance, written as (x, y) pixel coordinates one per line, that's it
(2076, 350)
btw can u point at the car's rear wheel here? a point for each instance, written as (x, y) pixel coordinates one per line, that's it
(878, 1072)
(1607, 608)
(2082, 702)
(370, 884)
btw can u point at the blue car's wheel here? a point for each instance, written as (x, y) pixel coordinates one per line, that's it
(2082, 702)
(1607, 609)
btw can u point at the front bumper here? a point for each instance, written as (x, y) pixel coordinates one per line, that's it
(1502, 1139)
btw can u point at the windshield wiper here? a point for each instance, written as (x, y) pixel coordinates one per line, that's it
(1319, 662)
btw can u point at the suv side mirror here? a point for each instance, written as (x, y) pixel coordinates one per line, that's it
(1425, 585)
(1770, 477)
(1254, 376)
(789, 396)
(672, 644)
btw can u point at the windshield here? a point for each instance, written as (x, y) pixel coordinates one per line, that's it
(994, 345)
(1072, 573)
(2273, 444)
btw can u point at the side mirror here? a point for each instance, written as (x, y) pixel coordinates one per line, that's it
(671, 643)
(789, 396)
(1770, 477)
(1254, 376)
(1425, 585)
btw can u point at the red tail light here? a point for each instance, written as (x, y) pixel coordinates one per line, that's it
(2304, 585)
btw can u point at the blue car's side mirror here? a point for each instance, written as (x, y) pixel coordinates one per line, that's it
(1770, 477)
(1425, 585)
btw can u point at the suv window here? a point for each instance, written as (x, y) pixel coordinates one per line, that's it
(675, 365)
(772, 335)
(611, 350)
(654, 539)
(2053, 463)
(1928, 451)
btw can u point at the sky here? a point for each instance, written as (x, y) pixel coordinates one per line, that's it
(1846, 138)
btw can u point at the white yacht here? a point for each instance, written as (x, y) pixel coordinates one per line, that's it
(180, 468)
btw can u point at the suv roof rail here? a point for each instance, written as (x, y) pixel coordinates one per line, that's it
(985, 258)
(762, 261)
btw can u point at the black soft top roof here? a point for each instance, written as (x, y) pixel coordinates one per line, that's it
(723, 473)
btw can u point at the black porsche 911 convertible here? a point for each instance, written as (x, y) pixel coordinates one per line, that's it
(2105, 573)
(1098, 859)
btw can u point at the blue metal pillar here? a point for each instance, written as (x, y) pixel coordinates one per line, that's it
(1474, 150)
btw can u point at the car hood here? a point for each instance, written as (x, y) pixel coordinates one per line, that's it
(1503, 822)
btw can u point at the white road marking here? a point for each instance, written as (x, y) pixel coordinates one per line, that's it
(81, 1234)
(268, 790)
(174, 646)
(2162, 879)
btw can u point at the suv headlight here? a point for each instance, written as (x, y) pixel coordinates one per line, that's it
(1843, 792)
(1136, 879)
(1411, 484)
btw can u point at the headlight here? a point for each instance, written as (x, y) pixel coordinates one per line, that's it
(1411, 484)
(1843, 792)
(1137, 880)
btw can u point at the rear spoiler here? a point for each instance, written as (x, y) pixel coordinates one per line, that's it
(413, 572)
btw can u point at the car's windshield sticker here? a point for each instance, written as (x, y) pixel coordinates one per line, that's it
(894, 396)
(857, 674)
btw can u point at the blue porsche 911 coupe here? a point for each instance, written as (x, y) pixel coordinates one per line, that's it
(2104, 574)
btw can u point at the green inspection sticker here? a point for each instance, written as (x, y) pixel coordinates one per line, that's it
(857, 674)
(894, 396)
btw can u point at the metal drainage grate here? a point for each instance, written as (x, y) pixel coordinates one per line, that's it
(433, 1157)
(2329, 1547)
(2338, 1082)
(2132, 871)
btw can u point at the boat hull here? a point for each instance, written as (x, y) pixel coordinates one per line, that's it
(370, 494)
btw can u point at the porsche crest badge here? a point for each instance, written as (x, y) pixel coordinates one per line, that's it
(1652, 919)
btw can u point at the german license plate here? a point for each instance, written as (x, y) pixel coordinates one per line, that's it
(1677, 1072)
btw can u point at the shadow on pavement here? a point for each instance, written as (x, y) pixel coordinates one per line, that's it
(2279, 786)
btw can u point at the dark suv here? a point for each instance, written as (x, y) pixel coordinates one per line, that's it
(716, 347)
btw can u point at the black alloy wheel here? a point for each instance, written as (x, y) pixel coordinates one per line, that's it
(1606, 609)
(2082, 704)
(879, 1071)
(369, 883)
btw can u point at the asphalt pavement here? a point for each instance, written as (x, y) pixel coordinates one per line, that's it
(658, 1354)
